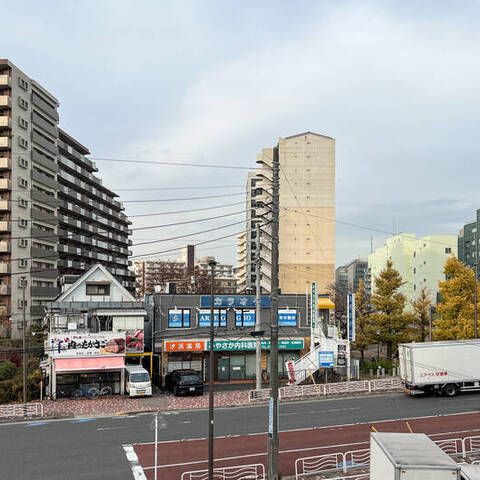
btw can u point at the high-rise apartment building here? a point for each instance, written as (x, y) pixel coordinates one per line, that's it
(420, 262)
(307, 216)
(468, 243)
(49, 206)
(347, 277)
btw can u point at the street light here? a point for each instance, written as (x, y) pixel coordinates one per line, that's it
(211, 264)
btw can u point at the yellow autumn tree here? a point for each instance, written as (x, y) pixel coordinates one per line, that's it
(456, 308)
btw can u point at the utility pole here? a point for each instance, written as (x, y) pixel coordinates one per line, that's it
(258, 325)
(272, 450)
(211, 264)
(24, 326)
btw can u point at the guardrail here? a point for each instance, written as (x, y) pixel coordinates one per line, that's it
(256, 395)
(21, 410)
(456, 447)
(241, 472)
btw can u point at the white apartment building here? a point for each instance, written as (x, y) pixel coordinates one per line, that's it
(420, 261)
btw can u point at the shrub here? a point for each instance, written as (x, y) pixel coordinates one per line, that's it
(7, 370)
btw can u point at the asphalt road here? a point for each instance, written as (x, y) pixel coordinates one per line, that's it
(92, 448)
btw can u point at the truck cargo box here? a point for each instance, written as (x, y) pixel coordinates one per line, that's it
(440, 363)
(409, 456)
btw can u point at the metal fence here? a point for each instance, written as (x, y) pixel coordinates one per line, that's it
(21, 410)
(456, 447)
(324, 389)
(241, 472)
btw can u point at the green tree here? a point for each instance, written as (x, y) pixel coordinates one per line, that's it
(364, 328)
(421, 315)
(390, 323)
(456, 308)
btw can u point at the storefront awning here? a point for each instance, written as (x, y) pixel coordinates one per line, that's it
(84, 364)
(325, 303)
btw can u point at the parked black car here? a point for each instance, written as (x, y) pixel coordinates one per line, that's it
(183, 382)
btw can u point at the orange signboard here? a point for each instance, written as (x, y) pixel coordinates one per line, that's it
(186, 346)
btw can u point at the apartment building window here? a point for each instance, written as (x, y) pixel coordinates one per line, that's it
(22, 103)
(22, 182)
(22, 142)
(21, 303)
(23, 162)
(22, 282)
(23, 223)
(98, 289)
(23, 263)
(23, 242)
(448, 250)
(43, 246)
(22, 83)
(22, 202)
(179, 318)
(22, 123)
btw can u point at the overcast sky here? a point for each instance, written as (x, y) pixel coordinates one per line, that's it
(395, 83)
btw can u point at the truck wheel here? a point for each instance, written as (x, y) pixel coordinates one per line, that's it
(450, 390)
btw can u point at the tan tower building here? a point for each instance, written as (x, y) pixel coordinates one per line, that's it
(307, 215)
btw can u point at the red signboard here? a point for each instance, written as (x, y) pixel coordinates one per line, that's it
(185, 346)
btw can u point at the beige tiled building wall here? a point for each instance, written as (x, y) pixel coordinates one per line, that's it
(307, 212)
(307, 215)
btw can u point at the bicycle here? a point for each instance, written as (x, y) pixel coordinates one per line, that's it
(89, 392)
(106, 391)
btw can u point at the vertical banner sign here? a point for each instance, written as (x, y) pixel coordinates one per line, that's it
(314, 312)
(270, 418)
(351, 317)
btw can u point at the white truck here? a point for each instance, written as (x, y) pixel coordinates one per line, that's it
(440, 367)
(470, 472)
(409, 456)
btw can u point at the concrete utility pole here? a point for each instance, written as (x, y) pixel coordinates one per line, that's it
(273, 419)
(258, 324)
(24, 325)
(211, 264)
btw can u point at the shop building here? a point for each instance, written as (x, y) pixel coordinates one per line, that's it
(95, 327)
(181, 326)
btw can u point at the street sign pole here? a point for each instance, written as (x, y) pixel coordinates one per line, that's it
(314, 312)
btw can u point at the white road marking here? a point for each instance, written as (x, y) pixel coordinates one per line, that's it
(101, 429)
(132, 458)
(322, 411)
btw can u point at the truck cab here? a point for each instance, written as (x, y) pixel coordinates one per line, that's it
(137, 381)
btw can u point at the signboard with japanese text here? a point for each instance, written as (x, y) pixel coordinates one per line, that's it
(326, 359)
(86, 344)
(185, 346)
(204, 318)
(226, 345)
(351, 317)
(287, 318)
(234, 301)
(245, 318)
(341, 355)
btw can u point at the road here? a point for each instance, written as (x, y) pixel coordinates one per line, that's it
(92, 448)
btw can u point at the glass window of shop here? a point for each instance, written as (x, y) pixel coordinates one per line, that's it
(283, 356)
(69, 382)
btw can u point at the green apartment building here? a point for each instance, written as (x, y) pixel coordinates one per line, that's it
(468, 243)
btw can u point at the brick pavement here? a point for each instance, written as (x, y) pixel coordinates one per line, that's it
(82, 407)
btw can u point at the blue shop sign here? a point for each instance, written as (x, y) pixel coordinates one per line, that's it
(287, 318)
(246, 301)
(204, 318)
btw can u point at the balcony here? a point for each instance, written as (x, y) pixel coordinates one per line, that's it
(5, 163)
(4, 267)
(4, 289)
(4, 310)
(5, 101)
(5, 122)
(51, 292)
(4, 247)
(4, 205)
(5, 142)
(5, 81)
(5, 226)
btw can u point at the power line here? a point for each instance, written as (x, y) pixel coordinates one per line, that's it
(182, 199)
(178, 164)
(188, 235)
(206, 187)
(187, 211)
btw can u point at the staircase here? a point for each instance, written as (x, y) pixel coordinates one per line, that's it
(304, 366)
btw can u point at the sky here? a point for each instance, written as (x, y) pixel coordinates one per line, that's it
(213, 82)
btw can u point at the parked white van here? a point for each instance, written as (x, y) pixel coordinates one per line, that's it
(137, 381)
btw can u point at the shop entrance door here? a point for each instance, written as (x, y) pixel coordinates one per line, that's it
(223, 368)
(237, 367)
